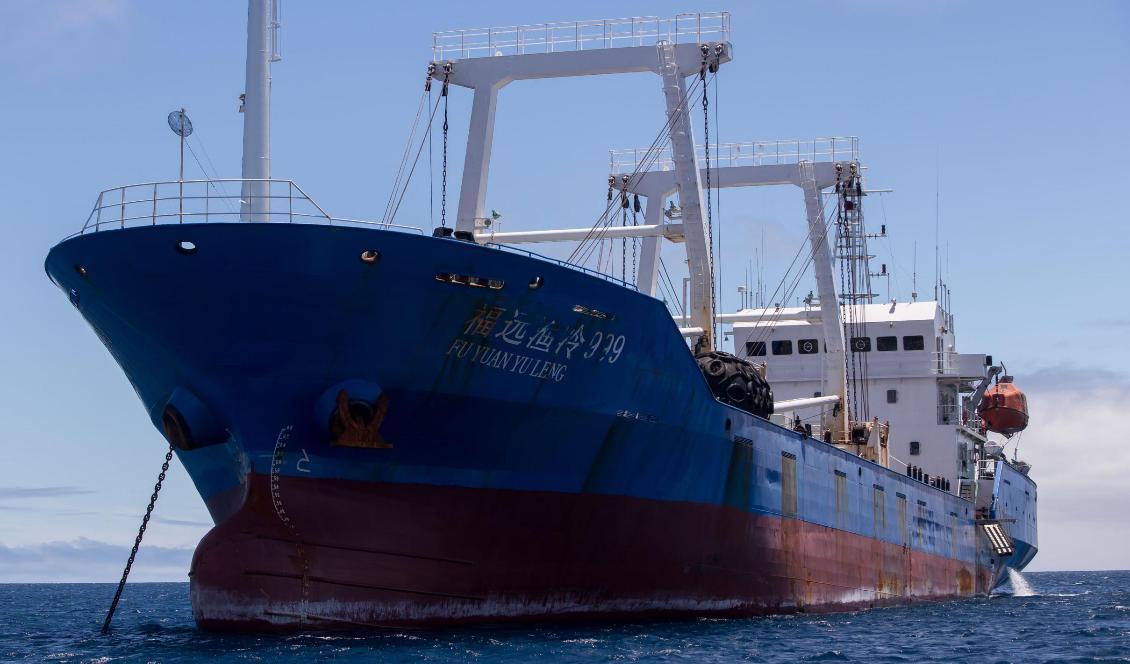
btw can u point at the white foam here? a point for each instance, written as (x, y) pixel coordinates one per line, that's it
(1020, 585)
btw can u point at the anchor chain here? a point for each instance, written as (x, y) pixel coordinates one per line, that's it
(137, 541)
(280, 511)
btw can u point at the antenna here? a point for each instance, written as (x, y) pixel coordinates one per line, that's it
(181, 126)
(937, 224)
(914, 275)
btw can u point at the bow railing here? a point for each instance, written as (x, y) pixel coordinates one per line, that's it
(219, 200)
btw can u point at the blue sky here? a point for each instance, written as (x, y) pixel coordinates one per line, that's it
(1017, 109)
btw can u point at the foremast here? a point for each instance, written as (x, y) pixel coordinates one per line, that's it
(262, 50)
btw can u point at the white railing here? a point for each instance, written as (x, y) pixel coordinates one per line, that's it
(750, 153)
(202, 201)
(945, 362)
(580, 35)
(960, 415)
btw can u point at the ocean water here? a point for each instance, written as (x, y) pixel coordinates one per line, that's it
(1068, 617)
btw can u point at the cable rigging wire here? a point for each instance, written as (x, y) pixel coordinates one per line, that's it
(399, 179)
(218, 187)
(584, 250)
(389, 218)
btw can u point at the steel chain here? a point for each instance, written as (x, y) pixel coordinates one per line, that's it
(709, 210)
(137, 541)
(443, 182)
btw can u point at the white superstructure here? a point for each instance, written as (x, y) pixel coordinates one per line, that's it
(912, 377)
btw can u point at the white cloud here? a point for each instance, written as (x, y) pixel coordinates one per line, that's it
(1079, 447)
(83, 560)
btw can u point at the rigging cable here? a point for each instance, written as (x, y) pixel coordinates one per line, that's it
(399, 179)
(585, 248)
(785, 289)
(221, 191)
(222, 195)
(412, 171)
(718, 196)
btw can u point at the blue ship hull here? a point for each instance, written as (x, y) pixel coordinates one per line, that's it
(547, 446)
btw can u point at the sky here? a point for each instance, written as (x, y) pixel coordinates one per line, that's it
(1006, 122)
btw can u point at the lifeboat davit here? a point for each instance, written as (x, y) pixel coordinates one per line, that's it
(1004, 408)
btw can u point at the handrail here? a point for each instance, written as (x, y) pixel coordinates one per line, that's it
(563, 36)
(563, 263)
(202, 201)
(748, 153)
(176, 202)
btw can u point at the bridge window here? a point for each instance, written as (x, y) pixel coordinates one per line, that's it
(783, 347)
(915, 448)
(755, 348)
(915, 342)
(892, 396)
(886, 343)
(808, 346)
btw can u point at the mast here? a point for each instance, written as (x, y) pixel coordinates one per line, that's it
(699, 266)
(262, 50)
(834, 380)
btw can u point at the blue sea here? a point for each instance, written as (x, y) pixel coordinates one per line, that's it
(1069, 617)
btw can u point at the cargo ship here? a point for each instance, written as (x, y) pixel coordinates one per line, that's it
(391, 427)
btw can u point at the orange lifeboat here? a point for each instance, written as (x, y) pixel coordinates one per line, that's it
(1004, 408)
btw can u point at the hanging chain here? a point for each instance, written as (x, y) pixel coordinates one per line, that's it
(443, 183)
(137, 542)
(624, 224)
(635, 241)
(706, 147)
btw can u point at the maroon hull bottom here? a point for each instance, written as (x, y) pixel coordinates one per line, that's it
(330, 553)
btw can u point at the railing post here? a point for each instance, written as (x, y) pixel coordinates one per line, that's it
(153, 218)
(98, 217)
(122, 216)
(290, 199)
(207, 200)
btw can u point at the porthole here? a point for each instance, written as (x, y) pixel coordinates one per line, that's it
(370, 256)
(81, 270)
(186, 248)
(536, 283)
